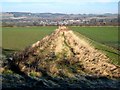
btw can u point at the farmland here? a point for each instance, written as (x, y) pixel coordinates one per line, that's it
(104, 35)
(19, 38)
(103, 38)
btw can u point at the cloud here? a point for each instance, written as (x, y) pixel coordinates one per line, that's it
(61, 1)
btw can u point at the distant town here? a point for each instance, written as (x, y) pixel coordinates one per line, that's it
(11, 19)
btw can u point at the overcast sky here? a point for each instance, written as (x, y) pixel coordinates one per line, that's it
(61, 6)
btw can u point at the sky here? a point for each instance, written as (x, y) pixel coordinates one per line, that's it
(61, 6)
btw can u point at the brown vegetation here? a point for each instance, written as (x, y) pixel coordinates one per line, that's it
(64, 54)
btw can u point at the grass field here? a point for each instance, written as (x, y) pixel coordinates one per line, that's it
(103, 38)
(18, 38)
(104, 35)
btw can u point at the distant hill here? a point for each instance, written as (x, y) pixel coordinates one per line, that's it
(56, 15)
(55, 19)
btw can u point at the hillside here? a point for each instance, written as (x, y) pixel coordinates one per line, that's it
(54, 19)
(63, 54)
(59, 60)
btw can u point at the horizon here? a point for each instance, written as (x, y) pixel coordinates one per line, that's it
(57, 13)
(61, 6)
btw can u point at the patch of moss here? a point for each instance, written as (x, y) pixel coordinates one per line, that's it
(7, 71)
(35, 74)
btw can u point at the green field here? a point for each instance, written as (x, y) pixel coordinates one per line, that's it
(18, 38)
(104, 35)
(103, 38)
